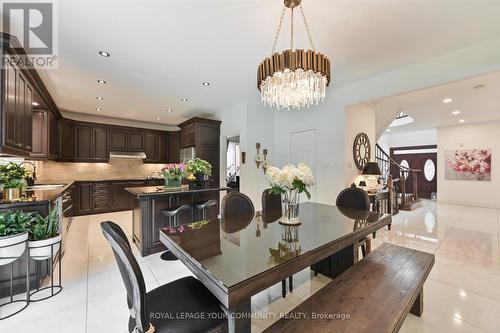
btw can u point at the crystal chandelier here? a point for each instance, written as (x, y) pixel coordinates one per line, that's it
(294, 78)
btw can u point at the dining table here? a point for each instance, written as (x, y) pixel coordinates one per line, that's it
(237, 260)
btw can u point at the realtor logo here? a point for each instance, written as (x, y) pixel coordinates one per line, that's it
(33, 25)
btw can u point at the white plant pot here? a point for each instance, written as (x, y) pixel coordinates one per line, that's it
(9, 251)
(41, 249)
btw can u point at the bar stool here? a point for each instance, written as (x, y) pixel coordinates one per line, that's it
(203, 206)
(172, 215)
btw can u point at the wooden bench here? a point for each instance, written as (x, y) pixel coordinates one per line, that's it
(375, 295)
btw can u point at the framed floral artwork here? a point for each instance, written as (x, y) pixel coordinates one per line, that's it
(468, 164)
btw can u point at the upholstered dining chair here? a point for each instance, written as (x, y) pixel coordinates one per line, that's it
(356, 198)
(272, 211)
(237, 211)
(147, 309)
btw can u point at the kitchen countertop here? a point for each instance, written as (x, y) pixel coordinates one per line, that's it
(155, 191)
(37, 197)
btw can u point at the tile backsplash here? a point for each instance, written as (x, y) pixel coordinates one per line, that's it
(48, 171)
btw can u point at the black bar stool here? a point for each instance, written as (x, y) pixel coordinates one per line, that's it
(203, 206)
(172, 215)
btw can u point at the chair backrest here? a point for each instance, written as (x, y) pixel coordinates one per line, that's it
(353, 197)
(130, 272)
(237, 211)
(272, 209)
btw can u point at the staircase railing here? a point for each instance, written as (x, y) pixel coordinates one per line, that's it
(399, 179)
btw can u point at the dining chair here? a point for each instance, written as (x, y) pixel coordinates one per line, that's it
(356, 198)
(237, 211)
(157, 310)
(272, 211)
(382, 204)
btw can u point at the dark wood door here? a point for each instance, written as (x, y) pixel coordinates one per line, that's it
(174, 147)
(66, 141)
(84, 196)
(20, 105)
(100, 151)
(135, 141)
(152, 147)
(118, 140)
(28, 117)
(9, 106)
(53, 136)
(163, 148)
(188, 136)
(422, 158)
(120, 198)
(83, 143)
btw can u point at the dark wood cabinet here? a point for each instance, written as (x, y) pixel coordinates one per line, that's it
(100, 151)
(83, 143)
(163, 149)
(65, 141)
(152, 148)
(9, 104)
(188, 135)
(53, 136)
(100, 196)
(135, 141)
(174, 147)
(84, 196)
(40, 134)
(118, 140)
(120, 198)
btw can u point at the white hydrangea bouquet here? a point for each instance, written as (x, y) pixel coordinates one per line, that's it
(290, 182)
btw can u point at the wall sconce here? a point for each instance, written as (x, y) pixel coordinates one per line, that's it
(261, 159)
(243, 157)
(258, 157)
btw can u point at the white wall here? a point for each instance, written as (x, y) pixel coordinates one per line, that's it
(472, 193)
(329, 118)
(408, 139)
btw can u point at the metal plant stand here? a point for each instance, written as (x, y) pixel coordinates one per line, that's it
(11, 296)
(52, 260)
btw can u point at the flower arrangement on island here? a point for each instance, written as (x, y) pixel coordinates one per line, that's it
(173, 174)
(290, 182)
(199, 167)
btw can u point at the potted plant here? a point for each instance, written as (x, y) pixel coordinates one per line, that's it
(290, 182)
(201, 169)
(13, 235)
(12, 178)
(173, 174)
(44, 236)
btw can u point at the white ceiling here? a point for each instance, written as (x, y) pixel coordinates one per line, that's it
(428, 110)
(163, 50)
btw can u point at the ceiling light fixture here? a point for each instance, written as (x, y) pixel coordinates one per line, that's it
(169, 110)
(99, 98)
(388, 130)
(101, 81)
(98, 109)
(447, 100)
(184, 99)
(294, 78)
(104, 54)
(461, 121)
(158, 118)
(35, 104)
(206, 84)
(455, 112)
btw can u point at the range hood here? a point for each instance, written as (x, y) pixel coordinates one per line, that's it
(127, 155)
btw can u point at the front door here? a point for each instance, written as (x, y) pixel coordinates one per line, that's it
(423, 158)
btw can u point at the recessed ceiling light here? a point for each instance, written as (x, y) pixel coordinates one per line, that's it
(388, 130)
(461, 121)
(101, 81)
(99, 98)
(455, 112)
(98, 109)
(169, 110)
(205, 83)
(158, 118)
(105, 54)
(184, 99)
(35, 104)
(447, 100)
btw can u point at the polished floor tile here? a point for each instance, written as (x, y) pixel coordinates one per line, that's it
(461, 293)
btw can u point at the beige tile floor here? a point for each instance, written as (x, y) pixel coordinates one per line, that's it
(462, 293)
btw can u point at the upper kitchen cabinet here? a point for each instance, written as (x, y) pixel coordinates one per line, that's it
(44, 132)
(118, 140)
(21, 89)
(152, 147)
(65, 140)
(91, 144)
(174, 147)
(135, 141)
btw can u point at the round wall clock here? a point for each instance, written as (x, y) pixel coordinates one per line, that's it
(361, 150)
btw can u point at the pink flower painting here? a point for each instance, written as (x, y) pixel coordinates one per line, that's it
(470, 164)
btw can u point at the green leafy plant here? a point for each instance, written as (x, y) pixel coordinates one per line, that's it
(199, 166)
(12, 175)
(14, 222)
(42, 227)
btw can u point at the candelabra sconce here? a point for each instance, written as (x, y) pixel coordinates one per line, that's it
(258, 157)
(265, 164)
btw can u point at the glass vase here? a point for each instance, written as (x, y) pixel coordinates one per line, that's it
(172, 183)
(291, 205)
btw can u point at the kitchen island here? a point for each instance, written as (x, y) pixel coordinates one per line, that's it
(148, 217)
